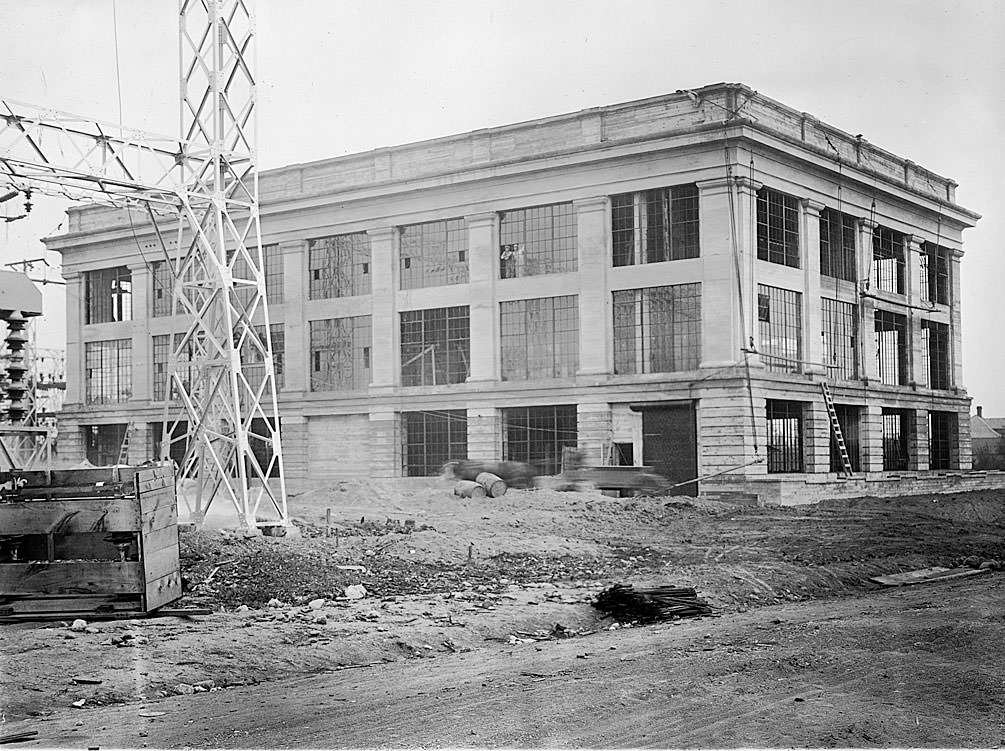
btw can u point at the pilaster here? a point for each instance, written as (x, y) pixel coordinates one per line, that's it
(296, 328)
(813, 345)
(726, 430)
(484, 433)
(955, 316)
(385, 444)
(592, 235)
(142, 365)
(74, 348)
(594, 431)
(483, 262)
(816, 438)
(918, 448)
(867, 309)
(384, 314)
(961, 451)
(915, 351)
(871, 438)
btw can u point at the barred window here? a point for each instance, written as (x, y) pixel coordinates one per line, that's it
(888, 260)
(252, 362)
(657, 329)
(840, 326)
(273, 272)
(339, 266)
(108, 295)
(434, 253)
(340, 354)
(108, 371)
(538, 240)
(537, 435)
(777, 227)
(785, 436)
(540, 338)
(432, 439)
(935, 354)
(942, 435)
(896, 425)
(655, 225)
(837, 245)
(849, 420)
(780, 321)
(435, 346)
(935, 274)
(891, 347)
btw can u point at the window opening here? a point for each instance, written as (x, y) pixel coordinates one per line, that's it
(657, 329)
(538, 240)
(434, 253)
(435, 346)
(339, 266)
(537, 435)
(108, 371)
(849, 420)
(656, 225)
(935, 274)
(103, 443)
(888, 260)
(891, 347)
(935, 354)
(785, 436)
(777, 228)
(108, 295)
(273, 273)
(941, 437)
(895, 430)
(837, 245)
(340, 354)
(540, 338)
(432, 439)
(840, 327)
(780, 321)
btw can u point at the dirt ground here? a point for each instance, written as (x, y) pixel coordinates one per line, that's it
(477, 629)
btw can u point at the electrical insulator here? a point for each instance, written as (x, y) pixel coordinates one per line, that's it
(15, 341)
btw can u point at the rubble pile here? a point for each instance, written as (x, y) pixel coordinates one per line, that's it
(626, 603)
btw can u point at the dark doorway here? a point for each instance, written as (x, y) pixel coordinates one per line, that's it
(670, 444)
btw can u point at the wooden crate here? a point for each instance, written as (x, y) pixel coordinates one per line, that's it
(60, 520)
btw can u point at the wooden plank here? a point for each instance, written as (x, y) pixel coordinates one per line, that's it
(154, 483)
(58, 477)
(165, 516)
(68, 517)
(71, 577)
(151, 501)
(162, 591)
(77, 603)
(160, 563)
(67, 492)
(925, 575)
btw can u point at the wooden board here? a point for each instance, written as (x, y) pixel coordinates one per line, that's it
(70, 603)
(161, 591)
(924, 575)
(69, 516)
(71, 577)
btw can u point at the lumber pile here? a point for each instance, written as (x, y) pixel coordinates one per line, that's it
(626, 603)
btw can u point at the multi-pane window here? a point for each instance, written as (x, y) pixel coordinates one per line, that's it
(888, 260)
(657, 329)
(273, 262)
(655, 225)
(537, 435)
(839, 321)
(540, 338)
(935, 354)
(891, 347)
(848, 419)
(103, 443)
(941, 437)
(780, 322)
(785, 436)
(896, 425)
(340, 354)
(837, 245)
(435, 346)
(252, 362)
(161, 357)
(339, 266)
(934, 274)
(434, 253)
(162, 280)
(432, 439)
(108, 371)
(777, 227)
(108, 295)
(538, 240)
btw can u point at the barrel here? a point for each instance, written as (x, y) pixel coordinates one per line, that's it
(469, 489)
(493, 484)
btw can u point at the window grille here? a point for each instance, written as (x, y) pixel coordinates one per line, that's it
(108, 295)
(657, 329)
(540, 338)
(785, 436)
(434, 253)
(896, 424)
(840, 328)
(941, 437)
(837, 245)
(538, 240)
(432, 439)
(849, 420)
(888, 260)
(108, 371)
(103, 443)
(435, 346)
(935, 274)
(777, 228)
(891, 347)
(650, 226)
(339, 266)
(537, 435)
(340, 354)
(935, 354)
(780, 321)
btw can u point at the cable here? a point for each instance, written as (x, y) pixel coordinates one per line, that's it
(118, 79)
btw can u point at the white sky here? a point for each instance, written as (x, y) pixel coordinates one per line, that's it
(921, 78)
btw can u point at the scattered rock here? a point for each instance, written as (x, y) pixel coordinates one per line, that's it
(243, 609)
(972, 561)
(274, 603)
(78, 625)
(184, 688)
(318, 603)
(992, 564)
(79, 703)
(320, 618)
(92, 630)
(355, 592)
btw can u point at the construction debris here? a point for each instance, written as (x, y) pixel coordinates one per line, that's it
(926, 575)
(626, 603)
(493, 484)
(469, 489)
(24, 735)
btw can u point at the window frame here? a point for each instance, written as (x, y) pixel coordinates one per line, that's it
(640, 234)
(670, 345)
(553, 352)
(538, 240)
(777, 222)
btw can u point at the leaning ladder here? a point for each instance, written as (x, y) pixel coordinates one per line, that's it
(124, 448)
(836, 429)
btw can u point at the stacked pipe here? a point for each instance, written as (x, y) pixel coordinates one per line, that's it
(484, 484)
(626, 603)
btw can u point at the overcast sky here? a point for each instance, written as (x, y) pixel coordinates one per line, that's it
(921, 78)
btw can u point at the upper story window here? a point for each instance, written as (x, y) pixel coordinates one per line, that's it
(253, 361)
(888, 260)
(935, 274)
(777, 227)
(538, 240)
(935, 363)
(655, 225)
(340, 354)
(108, 371)
(273, 271)
(108, 295)
(780, 323)
(891, 347)
(837, 245)
(339, 266)
(434, 253)
(657, 329)
(540, 338)
(435, 346)
(162, 280)
(839, 325)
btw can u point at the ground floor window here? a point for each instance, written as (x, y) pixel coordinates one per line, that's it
(103, 443)
(941, 437)
(785, 436)
(432, 439)
(896, 426)
(537, 435)
(848, 419)
(178, 440)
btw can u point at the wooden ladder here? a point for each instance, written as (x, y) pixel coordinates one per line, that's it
(124, 448)
(836, 429)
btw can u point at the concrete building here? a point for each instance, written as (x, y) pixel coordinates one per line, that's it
(664, 282)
